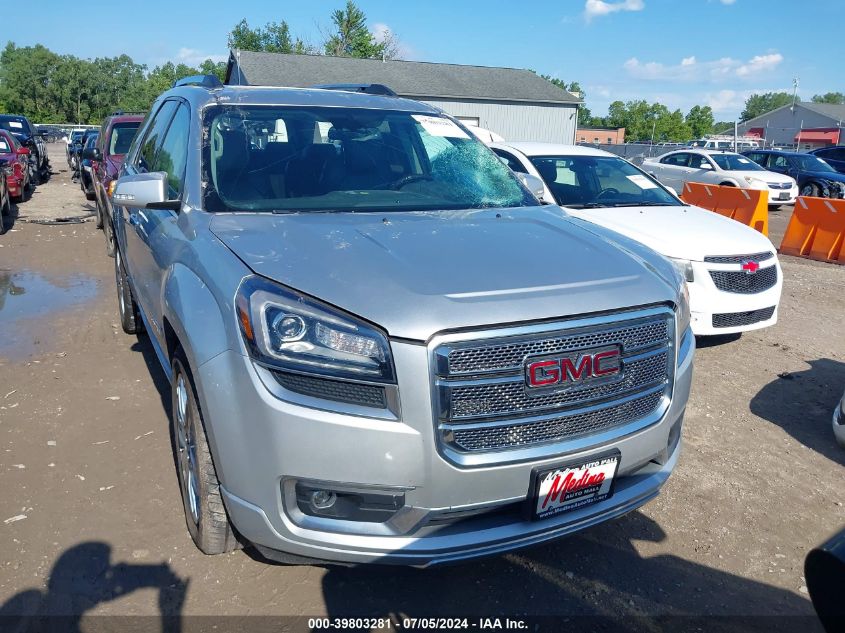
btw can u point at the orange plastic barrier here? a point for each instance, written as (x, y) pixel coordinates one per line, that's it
(749, 206)
(816, 230)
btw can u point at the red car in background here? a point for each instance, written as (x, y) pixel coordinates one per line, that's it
(17, 158)
(106, 158)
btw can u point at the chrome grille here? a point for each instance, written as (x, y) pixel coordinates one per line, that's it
(738, 259)
(509, 397)
(503, 356)
(564, 427)
(740, 282)
(484, 408)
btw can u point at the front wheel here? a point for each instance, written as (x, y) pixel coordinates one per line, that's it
(129, 317)
(205, 514)
(810, 190)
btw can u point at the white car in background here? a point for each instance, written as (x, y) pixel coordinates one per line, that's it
(720, 168)
(732, 271)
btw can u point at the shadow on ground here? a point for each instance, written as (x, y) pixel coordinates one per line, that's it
(84, 577)
(802, 403)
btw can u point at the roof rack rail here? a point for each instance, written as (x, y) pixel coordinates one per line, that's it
(370, 89)
(203, 81)
(124, 112)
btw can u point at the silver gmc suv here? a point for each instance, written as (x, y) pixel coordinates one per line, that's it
(381, 347)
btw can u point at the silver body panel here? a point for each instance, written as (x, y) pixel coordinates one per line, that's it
(427, 279)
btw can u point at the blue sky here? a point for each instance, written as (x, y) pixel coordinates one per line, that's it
(677, 52)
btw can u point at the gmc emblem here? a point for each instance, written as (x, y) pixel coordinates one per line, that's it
(567, 370)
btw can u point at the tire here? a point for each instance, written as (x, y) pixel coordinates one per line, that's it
(130, 319)
(99, 212)
(205, 515)
(108, 229)
(727, 184)
(90, 195)
(5, 212)
(810, 189)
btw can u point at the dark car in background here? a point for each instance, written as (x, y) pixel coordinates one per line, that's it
(28, 136)
(115, 137)
(76, 151)
(16, 157)
(74, 145)
(86, 167)
(815, 177)
(834, 156)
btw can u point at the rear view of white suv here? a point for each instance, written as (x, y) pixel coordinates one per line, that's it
(721, 168)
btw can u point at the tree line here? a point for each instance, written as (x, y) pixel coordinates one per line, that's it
(52, 88)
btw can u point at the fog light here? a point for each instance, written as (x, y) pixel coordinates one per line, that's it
(323, 499)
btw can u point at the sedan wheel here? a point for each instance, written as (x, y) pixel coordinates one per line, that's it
(810, 189)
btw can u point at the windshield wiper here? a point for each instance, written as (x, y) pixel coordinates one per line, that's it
(640, 204)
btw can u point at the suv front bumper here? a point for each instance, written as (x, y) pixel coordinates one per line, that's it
(261, 443)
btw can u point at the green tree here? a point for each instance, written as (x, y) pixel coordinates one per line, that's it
(829, 97)
(585, 117)
(25, 77)
(758, 104)
(700, 120)
(218, 69)
(723, 127)
(271, 38)
(351, 37)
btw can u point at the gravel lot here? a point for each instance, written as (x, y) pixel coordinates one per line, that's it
(92, 520)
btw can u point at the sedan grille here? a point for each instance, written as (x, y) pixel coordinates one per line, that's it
(484, 407)
(741, 282)
(738, 319)
(738, 259)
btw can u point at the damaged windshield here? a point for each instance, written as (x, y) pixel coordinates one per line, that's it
(274, 158)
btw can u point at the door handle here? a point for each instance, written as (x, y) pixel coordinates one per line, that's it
(133, 219)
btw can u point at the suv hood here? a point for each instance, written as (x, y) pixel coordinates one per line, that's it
(686, 232)
(419, 273)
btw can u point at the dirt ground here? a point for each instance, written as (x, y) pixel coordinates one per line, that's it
(92, 520)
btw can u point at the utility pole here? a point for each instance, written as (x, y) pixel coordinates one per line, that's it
(794, 92)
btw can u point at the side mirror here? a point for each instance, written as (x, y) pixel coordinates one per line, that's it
(705, 166)
(23, 151)
(533, 184)
(92, 153)
(144, 190)
(672, 190)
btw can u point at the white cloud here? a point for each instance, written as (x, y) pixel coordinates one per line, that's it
(194, 57)
(759, 64)
(597, 8)
(690, 69)
(382, 31)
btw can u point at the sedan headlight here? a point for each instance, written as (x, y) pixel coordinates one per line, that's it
(286, 330)
(756, 182)
(684, 266)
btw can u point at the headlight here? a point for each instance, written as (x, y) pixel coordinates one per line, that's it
(287, 330)
(754, 182)
(683, 311)
(684, 267)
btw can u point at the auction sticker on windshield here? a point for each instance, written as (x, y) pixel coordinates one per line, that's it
(642, 182)
(566, 488)
(439, 126)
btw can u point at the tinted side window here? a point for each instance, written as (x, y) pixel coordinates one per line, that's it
(757, 157)
(699, 161)
(173, 154)
(679, 160)
(152, 141)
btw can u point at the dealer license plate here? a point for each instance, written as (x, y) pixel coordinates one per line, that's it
(566, 488)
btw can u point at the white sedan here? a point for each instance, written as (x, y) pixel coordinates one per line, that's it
(732, 271)
(720, 168)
